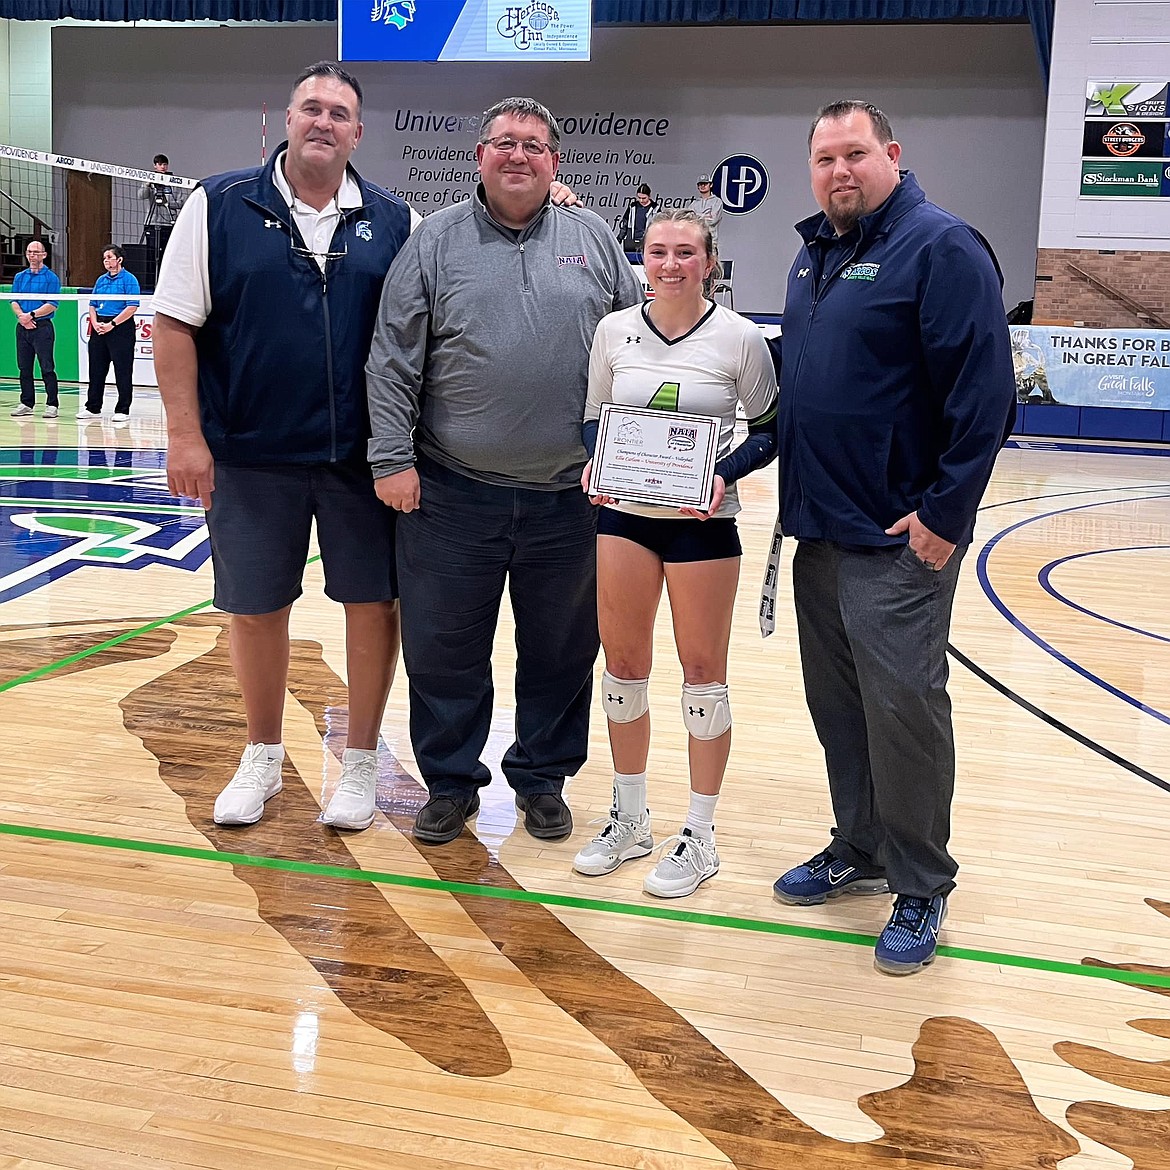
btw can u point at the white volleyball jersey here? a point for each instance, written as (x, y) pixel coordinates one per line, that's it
(722, 361)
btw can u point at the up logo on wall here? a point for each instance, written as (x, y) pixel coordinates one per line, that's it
(741, 182)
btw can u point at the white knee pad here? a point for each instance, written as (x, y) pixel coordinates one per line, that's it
(624, 699)
(705, 709)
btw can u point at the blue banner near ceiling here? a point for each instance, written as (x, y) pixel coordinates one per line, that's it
(604, 11)
(1039, 13)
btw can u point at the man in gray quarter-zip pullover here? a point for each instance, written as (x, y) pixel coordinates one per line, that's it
(476, 384)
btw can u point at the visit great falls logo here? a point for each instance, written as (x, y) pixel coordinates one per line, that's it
(66, 510)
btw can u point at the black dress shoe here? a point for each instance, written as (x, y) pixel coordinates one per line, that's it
(442, 819)
(545, 816)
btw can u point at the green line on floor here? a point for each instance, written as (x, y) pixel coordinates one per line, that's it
(117, 640)
(89, 651)
(571, 902)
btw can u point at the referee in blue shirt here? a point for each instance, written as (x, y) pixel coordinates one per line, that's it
(34, 329)
(111, 336)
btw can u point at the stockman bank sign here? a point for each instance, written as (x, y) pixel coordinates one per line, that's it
(463, 30)
(1140, 179)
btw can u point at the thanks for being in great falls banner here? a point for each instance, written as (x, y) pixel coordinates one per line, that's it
(1092, 367)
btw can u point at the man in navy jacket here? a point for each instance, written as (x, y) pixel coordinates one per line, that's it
(897, 391)
(264, 311)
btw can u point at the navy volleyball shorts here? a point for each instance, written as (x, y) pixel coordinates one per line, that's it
(260, 522)
(674, 541)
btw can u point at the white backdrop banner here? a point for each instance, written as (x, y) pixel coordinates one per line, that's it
(143, 344)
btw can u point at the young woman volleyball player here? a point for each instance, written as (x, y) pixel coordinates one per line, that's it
(679, 351)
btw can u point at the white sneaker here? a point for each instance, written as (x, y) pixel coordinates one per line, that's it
(352, 806)
(120, 417)
(256, 779)
(50, 412)
(86, 414)
(21, 411)
(681, 871)
(620, 840)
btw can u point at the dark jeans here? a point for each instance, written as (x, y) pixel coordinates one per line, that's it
(455, 554)
(117, 346)
(873, 628)
(36, 343)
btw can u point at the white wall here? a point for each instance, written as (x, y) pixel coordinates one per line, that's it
(25, 108)
(25, 68)
(965, 101)
(1099, 40)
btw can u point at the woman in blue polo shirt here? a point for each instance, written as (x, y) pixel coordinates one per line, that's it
(111, 336)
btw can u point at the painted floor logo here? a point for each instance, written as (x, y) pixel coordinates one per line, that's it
(65, 510)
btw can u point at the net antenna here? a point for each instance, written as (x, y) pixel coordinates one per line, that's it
(263, 133)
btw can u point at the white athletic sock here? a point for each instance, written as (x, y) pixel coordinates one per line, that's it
(353, 755)
(701, 815)
(274, 751)
(629, 794)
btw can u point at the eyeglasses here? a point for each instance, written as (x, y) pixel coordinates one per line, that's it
(309, 254)
(505, 144)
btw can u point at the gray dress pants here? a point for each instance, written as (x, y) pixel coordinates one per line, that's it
(873, 627)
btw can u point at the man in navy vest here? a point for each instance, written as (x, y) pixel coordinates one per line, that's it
(264, 311)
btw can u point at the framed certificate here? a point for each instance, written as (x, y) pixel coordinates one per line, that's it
(654, 456)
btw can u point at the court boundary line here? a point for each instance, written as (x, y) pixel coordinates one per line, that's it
(1141, 979)
(996, 684)
(1045, 579)
(989, 590)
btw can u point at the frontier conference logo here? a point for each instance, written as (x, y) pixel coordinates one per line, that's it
(741, 182)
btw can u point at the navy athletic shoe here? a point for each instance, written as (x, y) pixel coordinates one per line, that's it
(910, 938)
(825, 876)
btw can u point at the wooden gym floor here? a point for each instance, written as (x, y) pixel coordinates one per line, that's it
(173, 994)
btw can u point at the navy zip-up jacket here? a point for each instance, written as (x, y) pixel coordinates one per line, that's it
(282, 355)
(897, 388)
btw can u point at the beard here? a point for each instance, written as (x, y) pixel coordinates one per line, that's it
(845, 211)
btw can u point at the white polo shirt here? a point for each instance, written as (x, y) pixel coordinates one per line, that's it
(184, 286)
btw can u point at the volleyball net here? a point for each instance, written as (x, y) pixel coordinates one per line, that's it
(76, 206)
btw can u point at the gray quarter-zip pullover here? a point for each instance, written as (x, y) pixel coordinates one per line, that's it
(481, 349)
